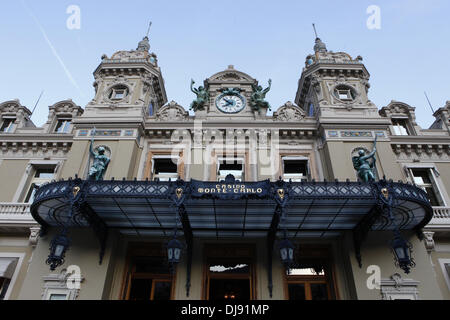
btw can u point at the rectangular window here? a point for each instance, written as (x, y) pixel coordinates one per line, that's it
(7, 269)
(148, 275)
(63, 125)
(233, 166)
(424, 178)
(41, 175)
(400, 127)
(311, 276)
(295, 168)
(58, 296)
(7, 125)
(4, 285)
(311, 110)
(445, 268)
(150, 109)
(164, 168)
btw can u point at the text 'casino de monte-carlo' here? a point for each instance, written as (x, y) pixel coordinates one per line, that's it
(135, 197)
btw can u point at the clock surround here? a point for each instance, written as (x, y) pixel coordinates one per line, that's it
(230, 101)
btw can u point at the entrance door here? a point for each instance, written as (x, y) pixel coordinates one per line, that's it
(228, 276)
(229, 280)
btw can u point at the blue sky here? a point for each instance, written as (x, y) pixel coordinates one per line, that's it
(195, 39)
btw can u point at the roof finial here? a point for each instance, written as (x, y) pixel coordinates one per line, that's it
(315, 31)
(319, 46)
(148, 30)
(144, 44)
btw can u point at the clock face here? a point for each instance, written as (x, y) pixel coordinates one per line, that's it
(230, 103)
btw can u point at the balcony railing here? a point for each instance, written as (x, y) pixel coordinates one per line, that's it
(441, 218)
(15, 214)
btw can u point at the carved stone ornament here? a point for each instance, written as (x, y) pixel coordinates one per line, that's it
(230, 74)
(118, 81)
(335, 57)
(397, 287)
(429, 241)
(124, 56)
(288, 112)
(34, 236)
(13, 107)
(172, 112)
(63, 283)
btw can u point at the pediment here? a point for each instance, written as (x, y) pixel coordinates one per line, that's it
(231, 75)
(172, 112)
(13, 106)
(66, 106)
(398, 109)
(289, 112)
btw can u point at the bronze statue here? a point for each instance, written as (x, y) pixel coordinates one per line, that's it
(202, 97)
(257, 98)
(363, 166)
(101, 161)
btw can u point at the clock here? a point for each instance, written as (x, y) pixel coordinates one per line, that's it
(230, 101)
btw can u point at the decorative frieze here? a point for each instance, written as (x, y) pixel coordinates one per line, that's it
(34, 149)
(422, 152)
(106, 133)
(355, 134)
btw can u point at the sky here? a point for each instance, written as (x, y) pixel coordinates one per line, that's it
(406, 55)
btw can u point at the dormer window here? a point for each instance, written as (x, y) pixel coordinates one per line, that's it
(400, 127)
(344, 93)
(7, 125)
(118, 93)
(63, 125)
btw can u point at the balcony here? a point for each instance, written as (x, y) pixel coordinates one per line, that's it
(15, 215)
(440, 220)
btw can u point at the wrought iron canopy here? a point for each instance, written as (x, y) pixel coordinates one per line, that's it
(228, 208)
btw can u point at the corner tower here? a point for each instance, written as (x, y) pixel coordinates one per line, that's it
(333, 89)
(333, 84)
(128, 81)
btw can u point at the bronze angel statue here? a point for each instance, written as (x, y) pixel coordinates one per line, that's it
(202, 97)
(365, 164)
(259, 94)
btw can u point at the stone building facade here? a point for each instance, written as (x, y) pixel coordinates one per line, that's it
(233, 180)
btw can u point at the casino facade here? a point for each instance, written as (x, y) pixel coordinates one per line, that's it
(133, 197)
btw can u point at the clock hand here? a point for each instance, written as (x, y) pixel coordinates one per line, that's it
(228, 101)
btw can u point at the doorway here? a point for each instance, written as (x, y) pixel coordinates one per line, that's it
(148, 276)
(229, 273)
(312, 275)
